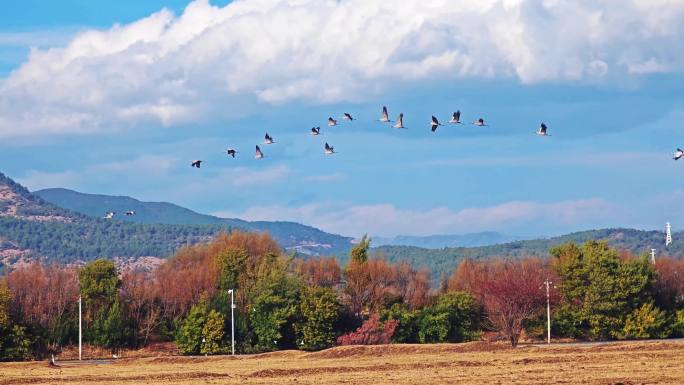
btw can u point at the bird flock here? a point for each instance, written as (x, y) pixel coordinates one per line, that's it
(384, 118)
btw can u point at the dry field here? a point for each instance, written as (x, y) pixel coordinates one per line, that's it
(473, 363)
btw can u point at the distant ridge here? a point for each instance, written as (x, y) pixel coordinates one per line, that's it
(444, 260)
(484, 238)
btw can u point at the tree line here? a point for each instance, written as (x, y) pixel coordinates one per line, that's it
(283, 302)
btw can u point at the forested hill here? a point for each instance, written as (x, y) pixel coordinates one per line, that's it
(443, 261)
(31, 227)
(290, 235)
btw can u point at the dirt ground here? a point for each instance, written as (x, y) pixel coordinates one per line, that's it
(472, 363)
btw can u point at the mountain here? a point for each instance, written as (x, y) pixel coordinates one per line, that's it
(290, 235)
(31, 227)
(454, 240)
(444, 260)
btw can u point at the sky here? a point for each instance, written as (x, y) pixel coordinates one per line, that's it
(118, 97)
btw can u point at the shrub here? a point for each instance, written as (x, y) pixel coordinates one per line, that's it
(647, 322)
(372, 332)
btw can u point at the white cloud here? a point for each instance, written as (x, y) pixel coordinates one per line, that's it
(388, 220)
(142, 167)
(168, 69)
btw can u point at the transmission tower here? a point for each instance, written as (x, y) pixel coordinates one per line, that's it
(668, 234)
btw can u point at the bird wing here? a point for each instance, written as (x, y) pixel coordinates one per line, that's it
(457, 115)
(385, 115)
(327, 146)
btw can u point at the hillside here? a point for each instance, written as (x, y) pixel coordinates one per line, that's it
(448, 240)
(443, 261)
(292, 236)
(31, 227)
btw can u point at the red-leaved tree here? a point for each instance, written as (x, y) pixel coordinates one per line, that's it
(512, 293)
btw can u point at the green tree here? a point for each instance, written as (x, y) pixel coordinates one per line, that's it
(275, 304)
(212, 333)
(110, 329)
(359, 253)
(190, 333)
(99, 287)
(647, 322)
(5, 300)
(599, 289)
(455, 317)
(319, 310)
(678, 324)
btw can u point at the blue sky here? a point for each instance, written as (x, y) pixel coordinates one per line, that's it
(119, 97)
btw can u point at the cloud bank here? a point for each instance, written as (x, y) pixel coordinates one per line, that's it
(389, 220)
(212, 62)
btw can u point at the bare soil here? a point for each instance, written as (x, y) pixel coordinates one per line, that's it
(472, 363)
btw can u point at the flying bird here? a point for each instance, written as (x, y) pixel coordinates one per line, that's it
(385, 116)
(258, 154)
(231, 152)
(196, 163)
(332, 122)
(542, 130)
(347, 116)
(329, 149)
(315, 130)
(678, 154)
(130, 213)
(434, 123)
(456, 118)
(480, 122)
(400, 121)
(109, 214)
(268, 139)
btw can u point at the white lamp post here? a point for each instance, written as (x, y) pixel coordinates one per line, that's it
(232, 322)
(80, 335)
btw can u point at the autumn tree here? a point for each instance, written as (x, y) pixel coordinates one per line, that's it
(512, 294)
(139, 295)
(320, 271)
(44, 298)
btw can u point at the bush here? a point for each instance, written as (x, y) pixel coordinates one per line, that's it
(647, 322)
(455, 317)
(407, 329)
(678, 324)
(372, 332)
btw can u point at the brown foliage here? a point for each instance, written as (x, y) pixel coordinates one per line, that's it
(669, 288)
(193, 272)
(470, 276)
(512, 293)
(371, 284)
(319, 271)
(372, 332)
(42, 295)
(139, 293)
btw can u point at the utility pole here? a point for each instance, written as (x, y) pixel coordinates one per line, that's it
(668, 234)
(232, 322)
(548, 311)
(653, 256)
(80, 326)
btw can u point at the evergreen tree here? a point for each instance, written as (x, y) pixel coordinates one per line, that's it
(320, 310)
